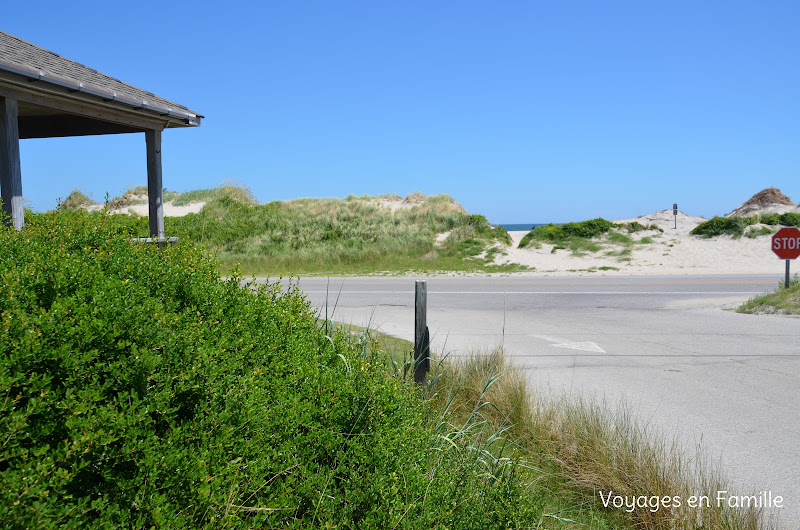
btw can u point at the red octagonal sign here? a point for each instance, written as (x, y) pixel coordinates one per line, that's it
(786, 243)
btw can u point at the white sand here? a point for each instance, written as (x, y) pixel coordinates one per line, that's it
(673, 252)
(170, 210)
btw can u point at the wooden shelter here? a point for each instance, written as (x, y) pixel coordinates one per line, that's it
(43, 95)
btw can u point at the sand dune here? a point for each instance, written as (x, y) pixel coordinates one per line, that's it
(671, 252)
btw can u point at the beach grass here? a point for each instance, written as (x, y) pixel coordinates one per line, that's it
(736, 226)
(782, 301)
(354, 235)
(76, 199)
(592, 236)
(574, 449)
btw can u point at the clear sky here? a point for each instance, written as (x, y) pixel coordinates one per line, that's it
(524, 111)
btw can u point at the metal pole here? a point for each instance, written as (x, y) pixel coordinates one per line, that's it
(421, 335)
(675, 214)
(787, 273)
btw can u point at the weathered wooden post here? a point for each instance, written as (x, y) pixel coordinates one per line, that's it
(422, 359)
(155, 190)
(10, 173)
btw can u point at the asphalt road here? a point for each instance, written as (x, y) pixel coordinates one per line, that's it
(667, 347)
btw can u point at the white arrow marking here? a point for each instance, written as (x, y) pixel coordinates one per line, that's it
(583, 346)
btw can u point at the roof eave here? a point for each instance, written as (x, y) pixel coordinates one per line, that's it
(176, 117)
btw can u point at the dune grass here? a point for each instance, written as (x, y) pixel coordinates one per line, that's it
(574, 449)
(355, 235)
(76, 199)
(782, 301)
(736, 226)
(591, 236)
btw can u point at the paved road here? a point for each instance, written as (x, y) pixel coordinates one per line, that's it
(664, 345)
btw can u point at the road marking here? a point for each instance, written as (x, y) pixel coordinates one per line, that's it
(583, 346)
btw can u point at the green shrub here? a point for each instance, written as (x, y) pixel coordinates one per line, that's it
(785, 219)
(559, 234)
(771, 219)
(732, 226)
(139, 390)
(790, 219)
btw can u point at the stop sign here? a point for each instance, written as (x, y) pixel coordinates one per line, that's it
(786, 243)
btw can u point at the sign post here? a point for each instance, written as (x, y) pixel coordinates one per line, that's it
(786, 244)
(675, 213)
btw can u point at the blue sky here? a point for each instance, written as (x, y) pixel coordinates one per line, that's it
(522, 111)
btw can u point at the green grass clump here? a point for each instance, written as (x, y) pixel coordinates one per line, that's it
(736, 226)
(717, 226)
(76, 199)
(636, 226)
(782, 301)
(137, 389)
(562, 234)
(232, 190)
(587, 236)
(753, 232)
(579, 448)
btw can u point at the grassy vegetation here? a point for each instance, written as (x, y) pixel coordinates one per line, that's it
(356, 235)
(736, 226)
(76, 199)
(590, 236)
(782, 301)
(573, 449)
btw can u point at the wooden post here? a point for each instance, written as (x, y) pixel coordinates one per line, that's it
(787, 273)
(422, 359)
(155, 190)
(10, 170)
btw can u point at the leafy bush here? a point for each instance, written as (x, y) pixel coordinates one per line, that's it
(771, 219)
(789, 219)
(137, 390)
(735, 226)
(559, 234)
(717, 226)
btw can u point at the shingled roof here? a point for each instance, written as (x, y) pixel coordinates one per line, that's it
(22, 58)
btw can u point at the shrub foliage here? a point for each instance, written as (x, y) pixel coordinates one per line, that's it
(137, 389)
(553, 233)
(736, 226)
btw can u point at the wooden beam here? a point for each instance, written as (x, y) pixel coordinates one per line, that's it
(10, 170)
(73, 104)
(155, 189)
